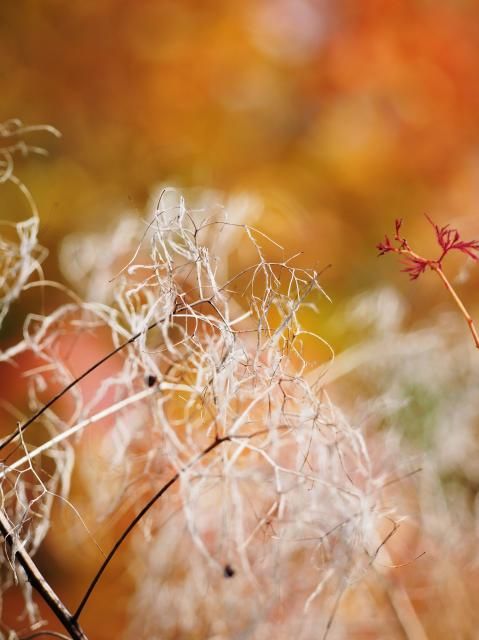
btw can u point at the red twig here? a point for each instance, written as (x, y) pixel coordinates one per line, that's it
(415, 265)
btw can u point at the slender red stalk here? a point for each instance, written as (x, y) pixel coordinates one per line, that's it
(448, 239)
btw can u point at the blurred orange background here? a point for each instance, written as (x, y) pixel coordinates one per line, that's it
(339, 115)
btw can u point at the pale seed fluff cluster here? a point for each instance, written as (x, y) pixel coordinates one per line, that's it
(267, 533)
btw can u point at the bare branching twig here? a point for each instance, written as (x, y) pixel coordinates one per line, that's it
(448, 240)
(199, 352)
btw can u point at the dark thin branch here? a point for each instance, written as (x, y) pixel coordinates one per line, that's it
(21, 428)
(401, 478)
(38, 582)
(334, 610)
(139, 516)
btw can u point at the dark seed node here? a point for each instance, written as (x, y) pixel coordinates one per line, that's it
(228, 571)
(151, 380)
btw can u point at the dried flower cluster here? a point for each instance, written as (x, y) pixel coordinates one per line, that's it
(214, 398)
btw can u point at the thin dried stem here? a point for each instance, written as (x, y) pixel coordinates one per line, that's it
(37, 580)
(460, 304)
(216, 443)
(101, 415)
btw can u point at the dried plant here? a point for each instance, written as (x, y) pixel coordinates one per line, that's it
(216, 393)
(21, 257)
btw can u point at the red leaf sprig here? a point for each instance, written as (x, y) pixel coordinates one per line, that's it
(448, 239)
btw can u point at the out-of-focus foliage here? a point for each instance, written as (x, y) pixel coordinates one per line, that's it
(340, 115)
